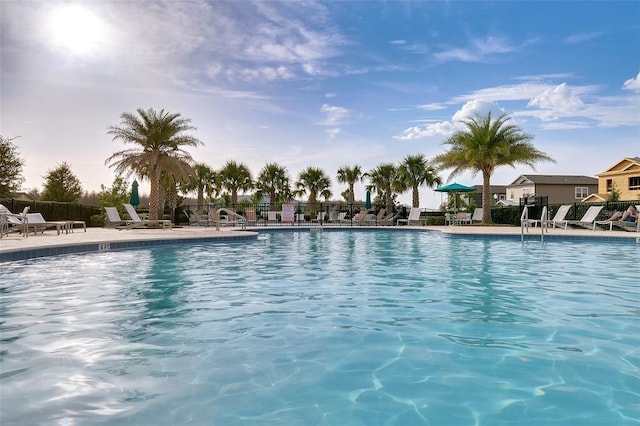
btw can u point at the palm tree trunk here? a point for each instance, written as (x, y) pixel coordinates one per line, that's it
(486, 198)
(416, 196)
(352, 196)
(154, 177)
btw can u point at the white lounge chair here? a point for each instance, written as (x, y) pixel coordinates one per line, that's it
(112, 219)
(626, 226)
(589, 218)
(321, 217)
(558, 218)
(131, 211)
(197, 219)
(477, 215)
(36, 222)
(414, 217)
(10, 221)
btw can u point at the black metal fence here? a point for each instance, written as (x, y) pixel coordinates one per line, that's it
(53, 211)
(303, 212)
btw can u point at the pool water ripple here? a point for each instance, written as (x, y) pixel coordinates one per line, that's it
(325, 328)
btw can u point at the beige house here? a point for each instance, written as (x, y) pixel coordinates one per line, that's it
(561, 189)
(624, 176)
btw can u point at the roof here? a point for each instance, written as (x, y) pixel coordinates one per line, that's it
(626, 165)
(591, 198)
(494, 189)
(554, 180)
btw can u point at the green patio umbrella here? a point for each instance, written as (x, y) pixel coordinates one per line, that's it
(455, 188)
(367, 200)
(134, 199)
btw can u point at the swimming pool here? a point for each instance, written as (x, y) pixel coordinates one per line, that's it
(325, 328)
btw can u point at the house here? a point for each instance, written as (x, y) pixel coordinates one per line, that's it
(561, 189)
(624, 177)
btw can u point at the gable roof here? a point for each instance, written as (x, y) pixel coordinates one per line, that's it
(494, 189)
(554, 180)
(628, 164)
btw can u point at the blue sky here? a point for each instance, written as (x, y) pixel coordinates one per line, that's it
(323, 84)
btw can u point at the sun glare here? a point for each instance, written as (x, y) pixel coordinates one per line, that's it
(76, 29)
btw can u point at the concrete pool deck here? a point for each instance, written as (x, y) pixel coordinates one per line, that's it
(97, 239)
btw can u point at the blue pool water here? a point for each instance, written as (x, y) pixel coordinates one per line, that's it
(325, 328)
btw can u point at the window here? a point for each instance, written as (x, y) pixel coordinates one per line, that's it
(582, 192)
(609, 185)
(634, 183)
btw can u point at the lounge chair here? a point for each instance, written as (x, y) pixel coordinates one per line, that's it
(414, 217)
(341, 218)
(272, 216)
(113, 220)
(321, 217)
(250, 214)
(558, 218)
(589, 218)
(623, 225)
(388, 219)
(36, 222)
(477, 215)
(131, 211)
(197, 219)
(13, 221)
(360, 218)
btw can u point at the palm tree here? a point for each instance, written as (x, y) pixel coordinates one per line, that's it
(204, 180)
(414, 172)
(235, 177)
(484, 146)
(383, 180)
(159, 137)
(350, 175)
(274, 181)
(317, 183)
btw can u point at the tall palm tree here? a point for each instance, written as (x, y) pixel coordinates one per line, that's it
(383, 180)
(350, 175)
(235, 177)
(274, 181)
(159, 137)
(204, 181)
(415, 171)
(486, 145)
(317, 183)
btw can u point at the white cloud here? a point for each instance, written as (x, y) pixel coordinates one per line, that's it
(333, 114)
(332, 133)
(632, 83)
(479, 49)
(557, 102)
(470, 109)
(432, 107)
(582, 37)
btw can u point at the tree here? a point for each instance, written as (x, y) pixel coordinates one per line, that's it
(235, 177)
(10, 167)
(350, 175)
(317, 183)
(274, 181)
(61, 185)
(383, 180)
(116, 195)
(159, 137)
(485, 145)
(414, 172)
(204, 180)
